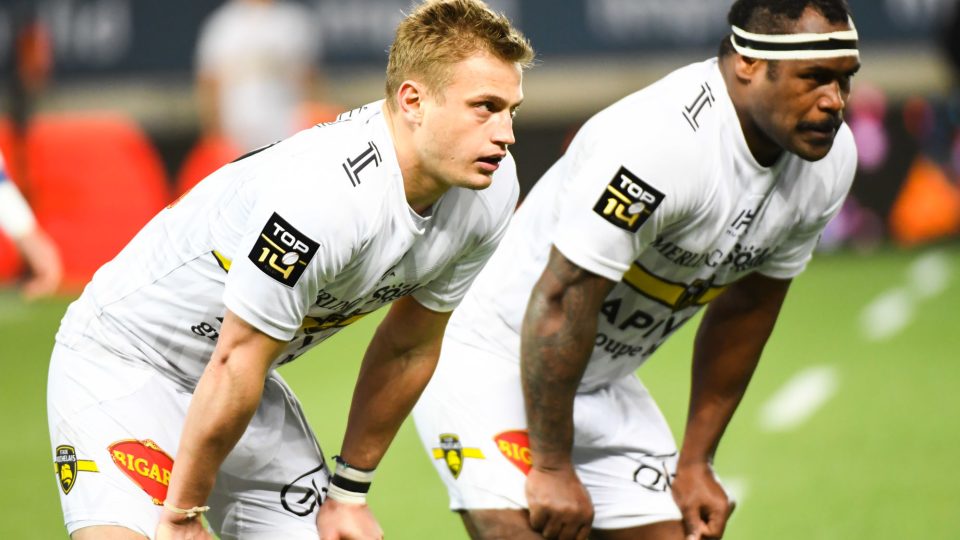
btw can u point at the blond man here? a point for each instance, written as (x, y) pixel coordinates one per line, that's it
(164, 404)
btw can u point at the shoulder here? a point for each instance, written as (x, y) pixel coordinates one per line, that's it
(333, 176)
(663, 126)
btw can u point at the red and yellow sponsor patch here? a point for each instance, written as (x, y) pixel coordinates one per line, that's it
(515, 446)
(146, 464)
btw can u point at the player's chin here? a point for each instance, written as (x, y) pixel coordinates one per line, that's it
(814, 148)
(478, 180)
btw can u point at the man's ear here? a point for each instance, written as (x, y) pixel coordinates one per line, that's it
(746, 68)
(410, 96)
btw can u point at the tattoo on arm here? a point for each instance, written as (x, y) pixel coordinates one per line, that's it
(558, 333)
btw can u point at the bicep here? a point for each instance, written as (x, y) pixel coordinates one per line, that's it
(745, 312)
(564, 280)
(242, 343)
(409, 326)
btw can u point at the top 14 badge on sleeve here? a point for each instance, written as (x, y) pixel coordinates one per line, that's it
(282, 252)
(628, 201)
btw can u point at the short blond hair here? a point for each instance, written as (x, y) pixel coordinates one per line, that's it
(440, 33)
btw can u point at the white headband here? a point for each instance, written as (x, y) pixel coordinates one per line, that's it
(796, 46)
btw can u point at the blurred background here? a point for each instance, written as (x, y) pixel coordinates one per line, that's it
(110, 109)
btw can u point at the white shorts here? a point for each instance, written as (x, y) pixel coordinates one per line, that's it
(115, 429)
(472, 423)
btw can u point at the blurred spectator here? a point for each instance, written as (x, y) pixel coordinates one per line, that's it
(256, 70)
(30, 64)
(39, 253)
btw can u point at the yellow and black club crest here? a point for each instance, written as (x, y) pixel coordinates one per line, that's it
(454, 453)
(66, 466)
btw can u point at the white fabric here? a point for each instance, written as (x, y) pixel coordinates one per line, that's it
(722, 216)
(16, 218)
(620, 435)
(161, 299)
(260, 53)
(96, 401)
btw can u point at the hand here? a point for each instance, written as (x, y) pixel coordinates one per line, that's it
(560, 506)
(345, 521)
(175, 527)
(702, 500)
(42, 259)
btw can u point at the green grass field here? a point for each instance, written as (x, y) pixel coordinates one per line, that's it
(878, 459)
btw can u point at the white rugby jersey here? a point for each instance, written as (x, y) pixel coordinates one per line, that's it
(659, 193)
(299, 239)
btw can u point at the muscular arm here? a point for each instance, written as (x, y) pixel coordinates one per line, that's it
(558, 333)
(727, 349)
(223, 403)
(398, 364)
(396, 367)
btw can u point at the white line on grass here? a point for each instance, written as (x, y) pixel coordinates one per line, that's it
(929, 275)
(797, 400)
(887, 315)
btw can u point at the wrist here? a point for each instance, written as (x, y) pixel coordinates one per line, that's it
(182, 516)
(349, 484)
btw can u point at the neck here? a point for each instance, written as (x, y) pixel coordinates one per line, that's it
(762, 147)
(420, 188)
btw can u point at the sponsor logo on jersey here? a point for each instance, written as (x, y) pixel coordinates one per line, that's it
(628, 201)
(741, 259)
(515, 446)
(146, 464)
(282, 252)
(304, 494)
(673, 295)
(67, 467)
(454, 453)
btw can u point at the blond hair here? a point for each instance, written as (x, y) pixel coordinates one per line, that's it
(440, 33)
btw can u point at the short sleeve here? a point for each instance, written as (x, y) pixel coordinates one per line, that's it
(616, 202)
(288, 252)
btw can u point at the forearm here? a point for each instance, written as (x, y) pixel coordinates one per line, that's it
(223, 403)
(222, 406)
(398, 364)
(555, 349)
(727, 349)
(388, 386)
(557, 337)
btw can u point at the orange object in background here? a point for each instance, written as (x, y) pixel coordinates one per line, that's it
(928, 206)
(93, 181)
(207, 155)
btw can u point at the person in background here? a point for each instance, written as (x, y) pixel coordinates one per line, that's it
(40, 255)
(257, 66)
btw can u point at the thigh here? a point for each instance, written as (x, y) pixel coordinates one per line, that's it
(498, 525)
(273, 482)
(663, 530)
(472, 424)
(625, 455)
(113, 428)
